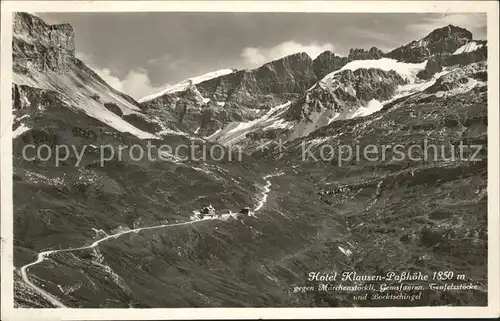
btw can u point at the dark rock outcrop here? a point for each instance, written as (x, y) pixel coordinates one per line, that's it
(447, 39)
(328, 62)
(291, 74)
(434, 65)
(141, 122)
(112, 107)
(362, 54)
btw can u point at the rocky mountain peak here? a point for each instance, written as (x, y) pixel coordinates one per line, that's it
(362, 54)
(327, 62)
(449, 31)
(296, 60)
(45, 47)
(441, 41)
(326, 53)
(291, 74)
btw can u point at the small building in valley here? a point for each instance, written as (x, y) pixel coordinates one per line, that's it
(208, 210)
(245, 210)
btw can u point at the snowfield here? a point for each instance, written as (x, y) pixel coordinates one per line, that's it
(468, 47)
(234, 132)
(405, 70)
(373, 106)
(183, 85)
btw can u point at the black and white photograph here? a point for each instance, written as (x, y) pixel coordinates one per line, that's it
(166, 159)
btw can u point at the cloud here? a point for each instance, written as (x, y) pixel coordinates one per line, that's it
(136, 83)
(113, 81)
(257, 56)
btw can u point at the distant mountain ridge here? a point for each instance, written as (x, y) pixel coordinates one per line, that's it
(208, 105)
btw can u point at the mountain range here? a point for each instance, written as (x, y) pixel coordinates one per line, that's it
(122, 235)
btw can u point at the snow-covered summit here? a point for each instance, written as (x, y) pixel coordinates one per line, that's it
(183, 85)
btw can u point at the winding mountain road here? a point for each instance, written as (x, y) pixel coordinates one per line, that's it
(45, 254)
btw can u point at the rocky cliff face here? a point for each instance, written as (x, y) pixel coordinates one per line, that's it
(238, 96)
(41, 46)
(291, 74)
(257, 87)
(433, 66)
(447, 39)
(346, 90)
(328, 62)
(442, 41)
(363, 54)
(45, 71)
(347, 94)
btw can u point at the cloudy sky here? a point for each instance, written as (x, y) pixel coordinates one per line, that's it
(139, 53)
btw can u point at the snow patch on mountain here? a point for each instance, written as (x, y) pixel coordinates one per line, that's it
(236, 131)
(405, 70)
(173, 132)
(87, 94)
(418, 86)
(468, 47)
(279, 124)
(373, 106)
(402, 91)
(346, 252)
(213, 135)
(185, 84)
(20, 130)
(315, 120)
